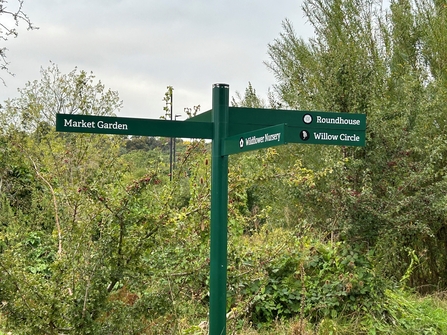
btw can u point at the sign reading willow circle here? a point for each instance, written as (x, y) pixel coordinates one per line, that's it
(232, 130)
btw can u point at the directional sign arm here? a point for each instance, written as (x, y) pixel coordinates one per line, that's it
(258, 139)
(326, 136)
(202, 117)
(132, 126)
(283, 133)
(243, 119)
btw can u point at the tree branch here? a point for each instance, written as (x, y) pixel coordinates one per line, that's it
(7, 31)
(56, 216)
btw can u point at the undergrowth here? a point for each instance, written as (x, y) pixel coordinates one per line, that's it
(282, 283)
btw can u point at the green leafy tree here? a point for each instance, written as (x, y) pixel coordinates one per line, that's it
(68, 225)
(93, 242)
(388, 64)
(249, 99)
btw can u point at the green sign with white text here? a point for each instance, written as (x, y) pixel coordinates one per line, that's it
(76, 123)
(293, 118)
(258, 139)
(327, 136)
(242, 119)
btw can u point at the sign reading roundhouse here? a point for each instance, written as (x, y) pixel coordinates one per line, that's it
(336, 120)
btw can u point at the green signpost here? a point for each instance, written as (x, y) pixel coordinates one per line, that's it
(233, 130)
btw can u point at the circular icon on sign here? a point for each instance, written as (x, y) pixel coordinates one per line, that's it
(304, 134)
(307, 118)
(241, 143)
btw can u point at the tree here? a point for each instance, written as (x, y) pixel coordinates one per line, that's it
(9, 19)
(93, 245)
(388, 64)
(250, 99)
(74, 93)
(62, 210)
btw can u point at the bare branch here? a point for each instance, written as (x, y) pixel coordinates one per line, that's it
(9, 21)
(56, 216)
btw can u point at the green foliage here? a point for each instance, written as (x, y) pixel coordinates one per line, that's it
(68, 230)
(147, 143)
(250, 99)
(383, 62)
(96, 239)
(301, 276)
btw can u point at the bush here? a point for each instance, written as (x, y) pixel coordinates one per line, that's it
(302, 276)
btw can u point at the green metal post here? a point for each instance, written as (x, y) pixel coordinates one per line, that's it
(219, 213)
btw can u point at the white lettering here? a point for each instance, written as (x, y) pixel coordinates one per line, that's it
(253, 140)
(325, 137)
(350, 138)
(112, 125)
(272, 137)
(338, 120)
(79, 124)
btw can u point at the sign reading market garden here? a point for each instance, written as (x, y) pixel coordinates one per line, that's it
(232, 130)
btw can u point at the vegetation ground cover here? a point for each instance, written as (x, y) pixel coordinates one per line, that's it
(95, 238)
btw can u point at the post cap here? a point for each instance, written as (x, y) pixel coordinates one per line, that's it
(221, 85)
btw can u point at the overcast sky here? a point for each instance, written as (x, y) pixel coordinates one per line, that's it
(139, 47)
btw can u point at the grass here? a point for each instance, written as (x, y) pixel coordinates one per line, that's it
(408, 314)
